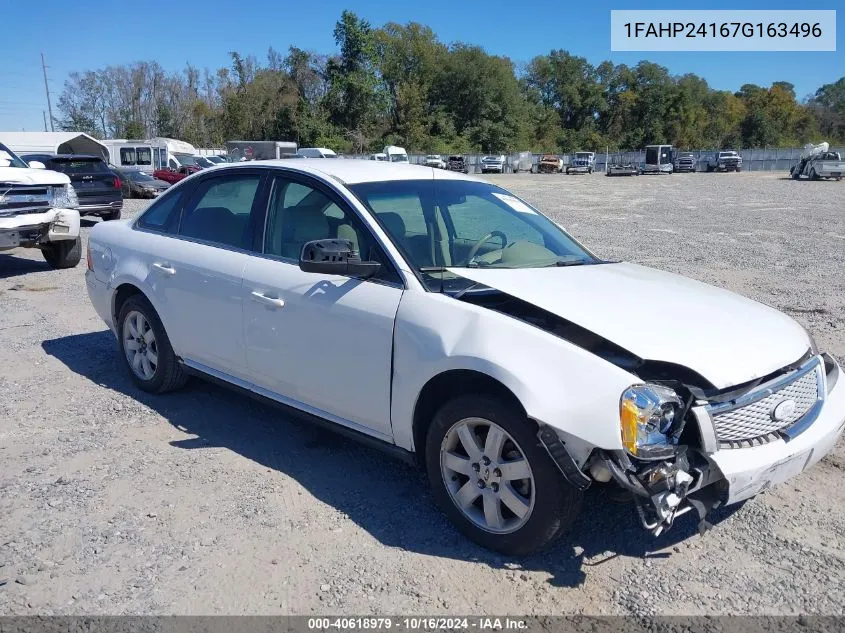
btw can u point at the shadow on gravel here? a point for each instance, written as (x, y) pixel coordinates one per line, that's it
(386, 497)
(12, 266)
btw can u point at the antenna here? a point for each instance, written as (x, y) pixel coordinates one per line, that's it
(47, 90)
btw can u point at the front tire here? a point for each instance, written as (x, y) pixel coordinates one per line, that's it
(145, 348)
(63, 254)
(494, 480)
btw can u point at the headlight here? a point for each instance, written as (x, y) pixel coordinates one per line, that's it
(647, 414)
(64, 197)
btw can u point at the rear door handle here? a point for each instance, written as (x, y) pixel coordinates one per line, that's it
(274, 302)
(164, 268)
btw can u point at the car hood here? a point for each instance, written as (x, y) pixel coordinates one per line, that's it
(659, 316)
(23, 176)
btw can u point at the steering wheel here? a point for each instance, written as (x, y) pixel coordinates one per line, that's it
(474, 250)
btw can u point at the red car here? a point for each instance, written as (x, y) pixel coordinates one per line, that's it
(175, 175)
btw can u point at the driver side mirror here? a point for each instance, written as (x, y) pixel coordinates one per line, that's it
(335, 257)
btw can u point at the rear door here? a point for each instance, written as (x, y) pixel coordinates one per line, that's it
(197, 274)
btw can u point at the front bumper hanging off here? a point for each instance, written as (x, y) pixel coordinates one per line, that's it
(704, 478)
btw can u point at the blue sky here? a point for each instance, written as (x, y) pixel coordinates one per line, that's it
(91, 34)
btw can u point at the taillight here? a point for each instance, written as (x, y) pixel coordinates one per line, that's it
(89, 258)
(116, 182)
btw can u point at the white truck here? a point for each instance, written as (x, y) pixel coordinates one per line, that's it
(38, 210)
(129, 154)
(395, 154)
(817, 162)
(260, 150)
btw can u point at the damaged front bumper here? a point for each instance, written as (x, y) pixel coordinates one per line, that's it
(34, 229)
(703, 477)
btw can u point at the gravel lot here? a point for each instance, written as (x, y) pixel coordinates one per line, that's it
(203, 501)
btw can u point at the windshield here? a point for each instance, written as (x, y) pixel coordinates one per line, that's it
(582, 155)
(9, 159)
(467, 224)
(215, 159)
(185, 159)
(203, 162)
(398, 158)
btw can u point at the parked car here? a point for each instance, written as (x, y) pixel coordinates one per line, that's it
(97, 187)
(817, 162)
(175, 175)
(582, 163)
(38, 210)
(550, 164)
(724, 161)
(494, 353)
(524, 162)
(204, 162)
(435, 160)
(217, 160)
(685, 161)
(457, 163)
(492, 164)
(138, 184)
(316, 152)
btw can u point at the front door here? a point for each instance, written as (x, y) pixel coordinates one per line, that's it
(320, 342)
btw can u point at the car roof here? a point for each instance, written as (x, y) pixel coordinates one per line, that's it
(353, 171)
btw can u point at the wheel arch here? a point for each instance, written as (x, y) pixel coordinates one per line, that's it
(447, 385)
(119, 297)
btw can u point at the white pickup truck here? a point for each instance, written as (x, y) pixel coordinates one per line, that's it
(37, 210)
(817, 162)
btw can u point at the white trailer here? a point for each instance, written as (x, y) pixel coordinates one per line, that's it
(260, 150)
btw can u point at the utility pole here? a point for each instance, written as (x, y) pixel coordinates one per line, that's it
(45, 120)
(47, 90)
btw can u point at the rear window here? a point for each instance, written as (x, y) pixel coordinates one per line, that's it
(79, 166)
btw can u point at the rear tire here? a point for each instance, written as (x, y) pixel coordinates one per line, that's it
(63, 254)
(145, 348)
(477, 488)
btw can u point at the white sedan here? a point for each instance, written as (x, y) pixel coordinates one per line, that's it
(440, 316)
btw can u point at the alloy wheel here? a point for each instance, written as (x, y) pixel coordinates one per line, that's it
(139, 345)
(487, 475)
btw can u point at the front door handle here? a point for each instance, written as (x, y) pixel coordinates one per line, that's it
(164, 268)
(274, 302)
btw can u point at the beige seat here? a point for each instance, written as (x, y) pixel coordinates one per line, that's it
(299, 225)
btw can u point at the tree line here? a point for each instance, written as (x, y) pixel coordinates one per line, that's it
(399, 84)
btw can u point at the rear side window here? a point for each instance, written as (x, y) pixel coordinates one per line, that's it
(127, 155)
(223, 212)
(163, 214)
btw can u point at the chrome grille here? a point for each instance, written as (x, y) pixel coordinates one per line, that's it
(751, 420)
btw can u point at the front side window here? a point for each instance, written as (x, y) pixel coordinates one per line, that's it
(222, 211)
(466, 224)
(127, 155)
(299, 213)
(173, 164)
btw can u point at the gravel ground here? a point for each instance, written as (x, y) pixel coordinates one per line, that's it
(203, 501)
